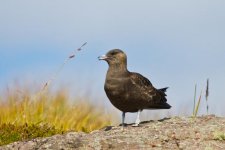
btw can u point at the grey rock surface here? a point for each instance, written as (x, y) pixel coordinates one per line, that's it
(206, 133)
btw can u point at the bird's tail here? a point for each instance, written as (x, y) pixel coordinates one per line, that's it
(163, 93)
(160, 106)
(165, 106)
(163, 89)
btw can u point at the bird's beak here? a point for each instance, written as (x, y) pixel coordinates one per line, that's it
(103, 57)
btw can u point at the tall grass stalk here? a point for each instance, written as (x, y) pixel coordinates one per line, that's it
(194, 100)
(207, 95)
(54, 76)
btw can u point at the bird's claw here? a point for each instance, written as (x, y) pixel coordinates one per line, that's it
(135, 125)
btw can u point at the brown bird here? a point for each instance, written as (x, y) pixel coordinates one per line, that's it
(130, 91)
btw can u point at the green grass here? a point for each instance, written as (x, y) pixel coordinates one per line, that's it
(25, 116)
(10, 132)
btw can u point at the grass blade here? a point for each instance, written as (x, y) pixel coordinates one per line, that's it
(194, 100)
(206, 96)
(197, 107)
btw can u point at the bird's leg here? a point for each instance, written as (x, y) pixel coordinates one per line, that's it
(123, 118)
(137, 119)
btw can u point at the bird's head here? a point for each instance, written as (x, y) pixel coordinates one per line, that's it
(115, 57)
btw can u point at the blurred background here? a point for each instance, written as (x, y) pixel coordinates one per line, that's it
(173, 43)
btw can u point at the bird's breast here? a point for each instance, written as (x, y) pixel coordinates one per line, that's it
(115, 87)
(119, 94)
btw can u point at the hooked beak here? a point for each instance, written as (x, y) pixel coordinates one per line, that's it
(103, 57)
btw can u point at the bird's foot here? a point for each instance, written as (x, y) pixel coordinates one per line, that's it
(137, 122)
(135, 125)
(123, 126)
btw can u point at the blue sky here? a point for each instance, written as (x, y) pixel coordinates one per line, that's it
(173, 43)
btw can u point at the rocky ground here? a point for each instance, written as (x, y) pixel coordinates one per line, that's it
(206, 132)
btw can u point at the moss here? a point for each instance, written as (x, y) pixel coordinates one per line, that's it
(10, 133)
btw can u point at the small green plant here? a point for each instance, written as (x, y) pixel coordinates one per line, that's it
(219, 136)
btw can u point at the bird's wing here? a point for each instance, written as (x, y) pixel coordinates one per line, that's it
(145, 91)
(140, 81)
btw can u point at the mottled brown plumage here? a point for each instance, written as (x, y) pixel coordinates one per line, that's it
(130, 91)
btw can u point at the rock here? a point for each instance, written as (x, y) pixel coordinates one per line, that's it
(206, 132)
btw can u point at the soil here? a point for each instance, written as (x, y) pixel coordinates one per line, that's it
(202, 133)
